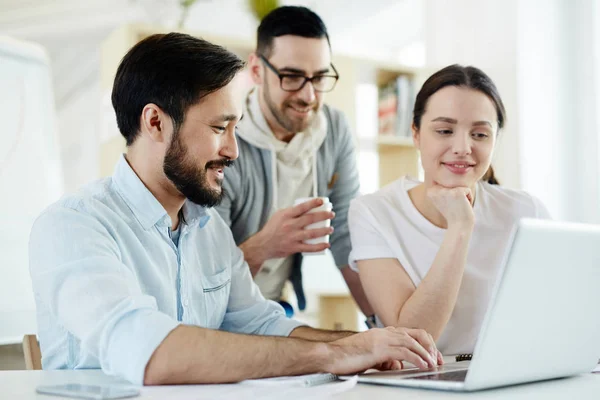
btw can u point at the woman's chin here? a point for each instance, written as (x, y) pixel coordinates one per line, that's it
(453, 182)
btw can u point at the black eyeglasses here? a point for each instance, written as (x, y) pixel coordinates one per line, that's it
(295, 82)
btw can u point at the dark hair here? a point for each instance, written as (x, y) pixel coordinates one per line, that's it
(468, 77)
(173, 71)
(288, 20)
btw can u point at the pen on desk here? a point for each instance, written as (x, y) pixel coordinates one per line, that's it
(319, 379)
(463, 357)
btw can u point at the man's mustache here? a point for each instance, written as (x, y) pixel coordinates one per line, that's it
(303, 104)
(224, 163)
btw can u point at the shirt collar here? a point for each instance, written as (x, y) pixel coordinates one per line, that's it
(144, 206)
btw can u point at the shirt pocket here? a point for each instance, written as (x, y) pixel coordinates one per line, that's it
(215, 289)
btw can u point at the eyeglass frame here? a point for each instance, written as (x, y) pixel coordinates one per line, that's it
(306, 78)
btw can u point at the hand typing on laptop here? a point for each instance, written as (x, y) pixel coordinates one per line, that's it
(383, 349)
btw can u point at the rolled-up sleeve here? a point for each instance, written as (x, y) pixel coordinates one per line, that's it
(247, 310)
(77, 272)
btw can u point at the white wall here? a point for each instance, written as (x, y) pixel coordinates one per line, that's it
(30, 174)
(543, 56)
(542, 96)
(76, 77)
(482, 34)
(79, 124)
(559, 99)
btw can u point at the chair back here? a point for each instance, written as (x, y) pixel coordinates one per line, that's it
(31, 350)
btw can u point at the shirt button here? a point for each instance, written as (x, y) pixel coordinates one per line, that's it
(185, 302)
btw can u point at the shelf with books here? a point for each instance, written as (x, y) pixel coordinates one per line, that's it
(395, 103)
(396, 93)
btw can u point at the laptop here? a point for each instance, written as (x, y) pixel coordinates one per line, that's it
(543, 321)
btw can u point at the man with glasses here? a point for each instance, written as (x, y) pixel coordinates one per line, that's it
(292, 146)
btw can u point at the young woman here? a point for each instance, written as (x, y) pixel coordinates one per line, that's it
(428, 253)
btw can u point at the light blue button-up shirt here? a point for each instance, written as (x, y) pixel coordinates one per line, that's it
(110, 283)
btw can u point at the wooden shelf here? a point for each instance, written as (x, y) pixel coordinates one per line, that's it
(338, 312)
(398, 141)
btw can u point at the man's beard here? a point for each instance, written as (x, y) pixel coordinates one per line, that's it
(290, 125)
(188, 178)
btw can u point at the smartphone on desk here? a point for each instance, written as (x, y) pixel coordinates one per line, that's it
(90, 392)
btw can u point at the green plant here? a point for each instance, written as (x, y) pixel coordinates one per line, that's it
(260, 8)
(185, 10)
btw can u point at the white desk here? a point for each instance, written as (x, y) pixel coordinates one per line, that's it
(579, 387)
(21, 385)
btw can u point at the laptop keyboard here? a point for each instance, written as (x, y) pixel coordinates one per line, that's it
(454, 376)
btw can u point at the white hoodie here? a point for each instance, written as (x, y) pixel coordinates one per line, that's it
(294, 174)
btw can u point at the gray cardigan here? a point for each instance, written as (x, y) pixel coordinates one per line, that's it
(248, 186)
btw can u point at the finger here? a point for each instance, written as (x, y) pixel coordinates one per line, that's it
(470, 196)
(390, 365)
(470, 199)
(465, 191)
(302, 208)
(426, 341)
(434, 191)
(434, 351)
(311, 218)
(312, 248)
(461, 193)
(437, 354)
(315, 233)
(406, 354)
(440, 192)
(413, 344)
(440, 358)
(384, 366)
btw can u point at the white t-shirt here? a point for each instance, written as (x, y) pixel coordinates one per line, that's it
(386, 224)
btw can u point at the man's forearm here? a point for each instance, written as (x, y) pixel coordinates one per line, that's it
(198, 355)
(319, 335)
(353, 281)
(254, 253)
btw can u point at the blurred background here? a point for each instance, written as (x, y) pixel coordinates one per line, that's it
(59, 130)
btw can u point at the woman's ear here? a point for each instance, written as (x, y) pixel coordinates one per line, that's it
(416, 135)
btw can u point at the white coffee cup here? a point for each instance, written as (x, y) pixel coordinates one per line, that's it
(326, 206)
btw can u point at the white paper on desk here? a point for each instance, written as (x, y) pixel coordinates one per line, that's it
(242, 391)
(299, 380)
(597, 369)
